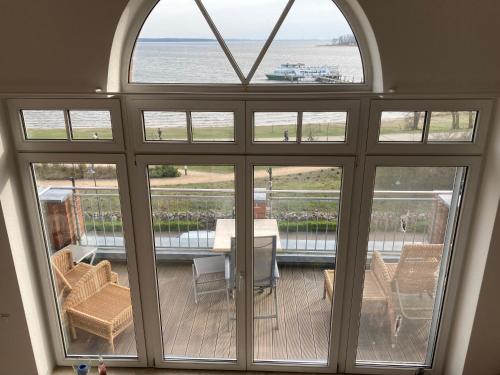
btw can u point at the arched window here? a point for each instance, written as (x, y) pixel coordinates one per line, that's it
(248, 42)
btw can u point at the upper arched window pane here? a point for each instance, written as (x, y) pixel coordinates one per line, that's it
(256, 42)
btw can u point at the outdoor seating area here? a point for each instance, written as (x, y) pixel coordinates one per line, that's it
(395, 293)
(294, 260)
(200, 329)
(90, 298)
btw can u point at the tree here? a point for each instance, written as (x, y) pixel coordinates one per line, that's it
(455, 122)
(472, 119)
(413, 121)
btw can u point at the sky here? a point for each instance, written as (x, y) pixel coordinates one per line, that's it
(246, 19)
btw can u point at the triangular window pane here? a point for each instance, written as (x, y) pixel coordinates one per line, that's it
(315, 44)
(176, 45)
(245, 25)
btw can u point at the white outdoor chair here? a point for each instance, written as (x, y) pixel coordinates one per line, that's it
(203, 271)
(205, 280)
(265, 271)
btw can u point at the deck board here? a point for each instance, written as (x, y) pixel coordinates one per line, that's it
(200, 330)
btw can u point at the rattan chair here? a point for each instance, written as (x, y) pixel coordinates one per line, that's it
(412, 282)
(99, 306)
(68, 273)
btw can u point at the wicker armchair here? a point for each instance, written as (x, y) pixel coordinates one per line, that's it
(67, 273)
(98, 305)
(411, 283)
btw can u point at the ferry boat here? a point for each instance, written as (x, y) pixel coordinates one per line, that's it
(301, 72)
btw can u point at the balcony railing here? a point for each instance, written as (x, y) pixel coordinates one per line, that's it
(184, 220)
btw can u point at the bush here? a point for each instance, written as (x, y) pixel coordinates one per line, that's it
(78, 171)
(164, 171)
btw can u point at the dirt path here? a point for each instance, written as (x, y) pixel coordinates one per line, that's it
(193, 177)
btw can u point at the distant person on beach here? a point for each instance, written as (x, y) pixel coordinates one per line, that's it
(285, 135)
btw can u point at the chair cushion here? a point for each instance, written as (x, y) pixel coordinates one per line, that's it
(77, 272)
(107, 304)
(391, 269)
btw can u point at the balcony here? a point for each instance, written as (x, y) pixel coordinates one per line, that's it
(184, 220)
(184, 228)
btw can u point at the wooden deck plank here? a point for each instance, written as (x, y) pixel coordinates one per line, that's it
(292, 323)
(268, 326)
(224, 333)
(308, 351)
(211, 330)
(185, 327)
(325, 337)
(168, 294)
(258, 328)
(179, 305)
(320, 313)
(279, 336)
(199, 326)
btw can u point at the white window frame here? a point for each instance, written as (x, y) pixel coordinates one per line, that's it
(15, 106)
(136, 126)
(352, 108)
(360, 154)
(144, 234)
(458, 251)
(41, 254)
(475, 147)
(353, 14)
(347, 164)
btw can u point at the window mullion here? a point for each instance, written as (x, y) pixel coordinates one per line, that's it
(221, 41)
(268, 42)
(299, 127)
(69, 130)
(427, 121)
(189, 126)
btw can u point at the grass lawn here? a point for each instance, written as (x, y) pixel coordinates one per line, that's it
(440, 123)
(327, 179)
(78, 134)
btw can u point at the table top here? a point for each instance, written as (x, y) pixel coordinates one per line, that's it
(225, 229)
(81, 252)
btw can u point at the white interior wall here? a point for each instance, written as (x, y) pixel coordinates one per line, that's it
(24, 338)
(476, 327)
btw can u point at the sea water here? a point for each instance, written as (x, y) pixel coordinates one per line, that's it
(204, 62)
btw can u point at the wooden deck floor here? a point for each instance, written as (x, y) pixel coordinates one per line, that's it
(201, 330)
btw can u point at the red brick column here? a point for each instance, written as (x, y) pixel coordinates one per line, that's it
(437, 227)
(60, 219)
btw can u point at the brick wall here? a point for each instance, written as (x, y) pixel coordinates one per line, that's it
(61, 223)
(437, 227)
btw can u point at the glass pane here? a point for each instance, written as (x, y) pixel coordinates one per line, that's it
(452, 126)
(165, 126)
(92, 125)
(193, 209)
(412, 222)
(315, 44)
(324, 126)
(82, 222)
(44, 124)
(245, 38)
(275, 126)
(401, 126)
(295, 221)
(212, 126)
(176, 45)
